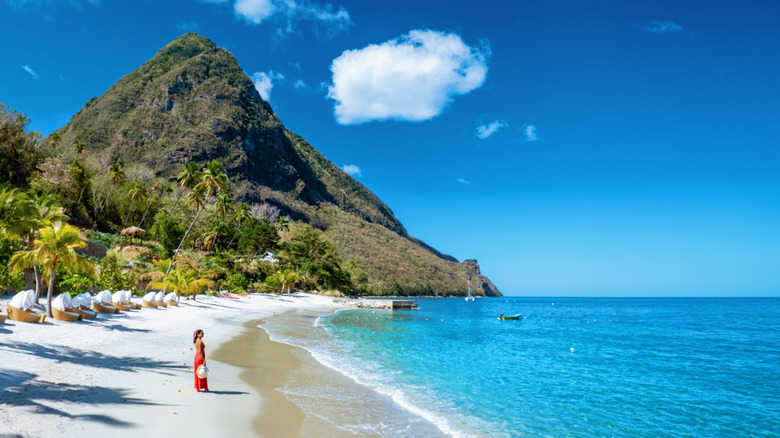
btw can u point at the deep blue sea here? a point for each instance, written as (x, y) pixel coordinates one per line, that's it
(571, 367)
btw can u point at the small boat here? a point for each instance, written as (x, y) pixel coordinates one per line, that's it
(502, 317)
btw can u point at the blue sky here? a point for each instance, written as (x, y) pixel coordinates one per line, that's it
(604, 148)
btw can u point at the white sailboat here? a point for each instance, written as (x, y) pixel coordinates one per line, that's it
(468, 281)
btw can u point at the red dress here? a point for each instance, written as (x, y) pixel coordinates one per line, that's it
(200, 383)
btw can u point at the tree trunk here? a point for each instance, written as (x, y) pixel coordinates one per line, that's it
(51, 287)
(37, 275)
(132, 206)
(144, 217)
(234, 236)
(173, 259)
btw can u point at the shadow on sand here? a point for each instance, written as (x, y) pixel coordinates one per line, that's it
(21, 388)
(93, 358)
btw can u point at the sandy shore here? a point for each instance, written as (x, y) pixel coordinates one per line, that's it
(131, 373)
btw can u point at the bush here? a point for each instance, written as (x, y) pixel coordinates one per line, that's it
(237, 282)
(169, 232)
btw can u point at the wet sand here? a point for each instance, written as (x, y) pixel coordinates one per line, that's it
(267, 365)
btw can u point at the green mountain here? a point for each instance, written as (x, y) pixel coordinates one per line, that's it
(193, 102)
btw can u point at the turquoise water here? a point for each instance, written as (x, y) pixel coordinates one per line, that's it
(579, 367)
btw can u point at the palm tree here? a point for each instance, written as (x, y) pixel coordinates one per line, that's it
(31, 214)
(196, 199)
(242, 213)
(188, 179)
(282, 224)
(213, 180)
(155, 190)
(179, 281)
(137, 194)
(79, 146)
(116, 174)
(288, 278)
(55, 245)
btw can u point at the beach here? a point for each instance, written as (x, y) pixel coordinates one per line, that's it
(131, 373)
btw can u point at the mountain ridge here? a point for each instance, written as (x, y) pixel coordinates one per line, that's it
(193, 102)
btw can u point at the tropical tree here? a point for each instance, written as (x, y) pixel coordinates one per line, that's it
(154, 190)
(55, 245)
(188, 179)
(31, 214)
(242, 213)
(137, 194)
(282, 224)
(116, 174)
(79, 146)
(213, 180)
(288, 278)
(182, 281)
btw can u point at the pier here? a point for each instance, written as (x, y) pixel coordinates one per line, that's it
(380, 304)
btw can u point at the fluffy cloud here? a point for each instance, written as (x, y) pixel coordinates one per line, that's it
(463, 181)
(485, 131)
(299, 84)
(290, 13)
(29, 70)
(663, 27)
(254, 11)
(264, 82)
(530, 133)
(352, 170)
(412, 77)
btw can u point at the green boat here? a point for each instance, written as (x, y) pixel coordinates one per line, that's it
(502, 317)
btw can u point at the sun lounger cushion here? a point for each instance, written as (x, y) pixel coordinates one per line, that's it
(23, 300)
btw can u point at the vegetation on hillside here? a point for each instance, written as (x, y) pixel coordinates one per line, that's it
(141, 155)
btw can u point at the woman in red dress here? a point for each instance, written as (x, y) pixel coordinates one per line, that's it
(200, 359)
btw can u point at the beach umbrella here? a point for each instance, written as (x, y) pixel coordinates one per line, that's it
(133, 231)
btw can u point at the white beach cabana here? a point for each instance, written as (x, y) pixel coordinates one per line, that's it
(62, 308)
(102, 302)
(171, 299)
(20, 307)
(149, 300)
(83, 304)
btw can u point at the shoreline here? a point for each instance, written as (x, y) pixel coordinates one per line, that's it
(130, 373)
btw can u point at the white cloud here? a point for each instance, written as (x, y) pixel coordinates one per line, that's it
(30, 71)
(485, 131)
(412, 77)
(264, 82)
(299, 84)
(663, 27)
(352, 170)
(463, 181)
(291, 12)
(254, 11)
(530, 133)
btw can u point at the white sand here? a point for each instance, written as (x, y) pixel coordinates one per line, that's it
(130, 374)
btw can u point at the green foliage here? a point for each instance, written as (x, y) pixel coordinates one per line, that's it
(7, 279)
(237, 282)
(113, 276)
(169, 232)
(257, 236)
(316, 258)
(108, 239)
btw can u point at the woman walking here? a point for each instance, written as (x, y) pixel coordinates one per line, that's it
(200, 359)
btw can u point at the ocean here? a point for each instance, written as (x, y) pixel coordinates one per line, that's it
(570, 367)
